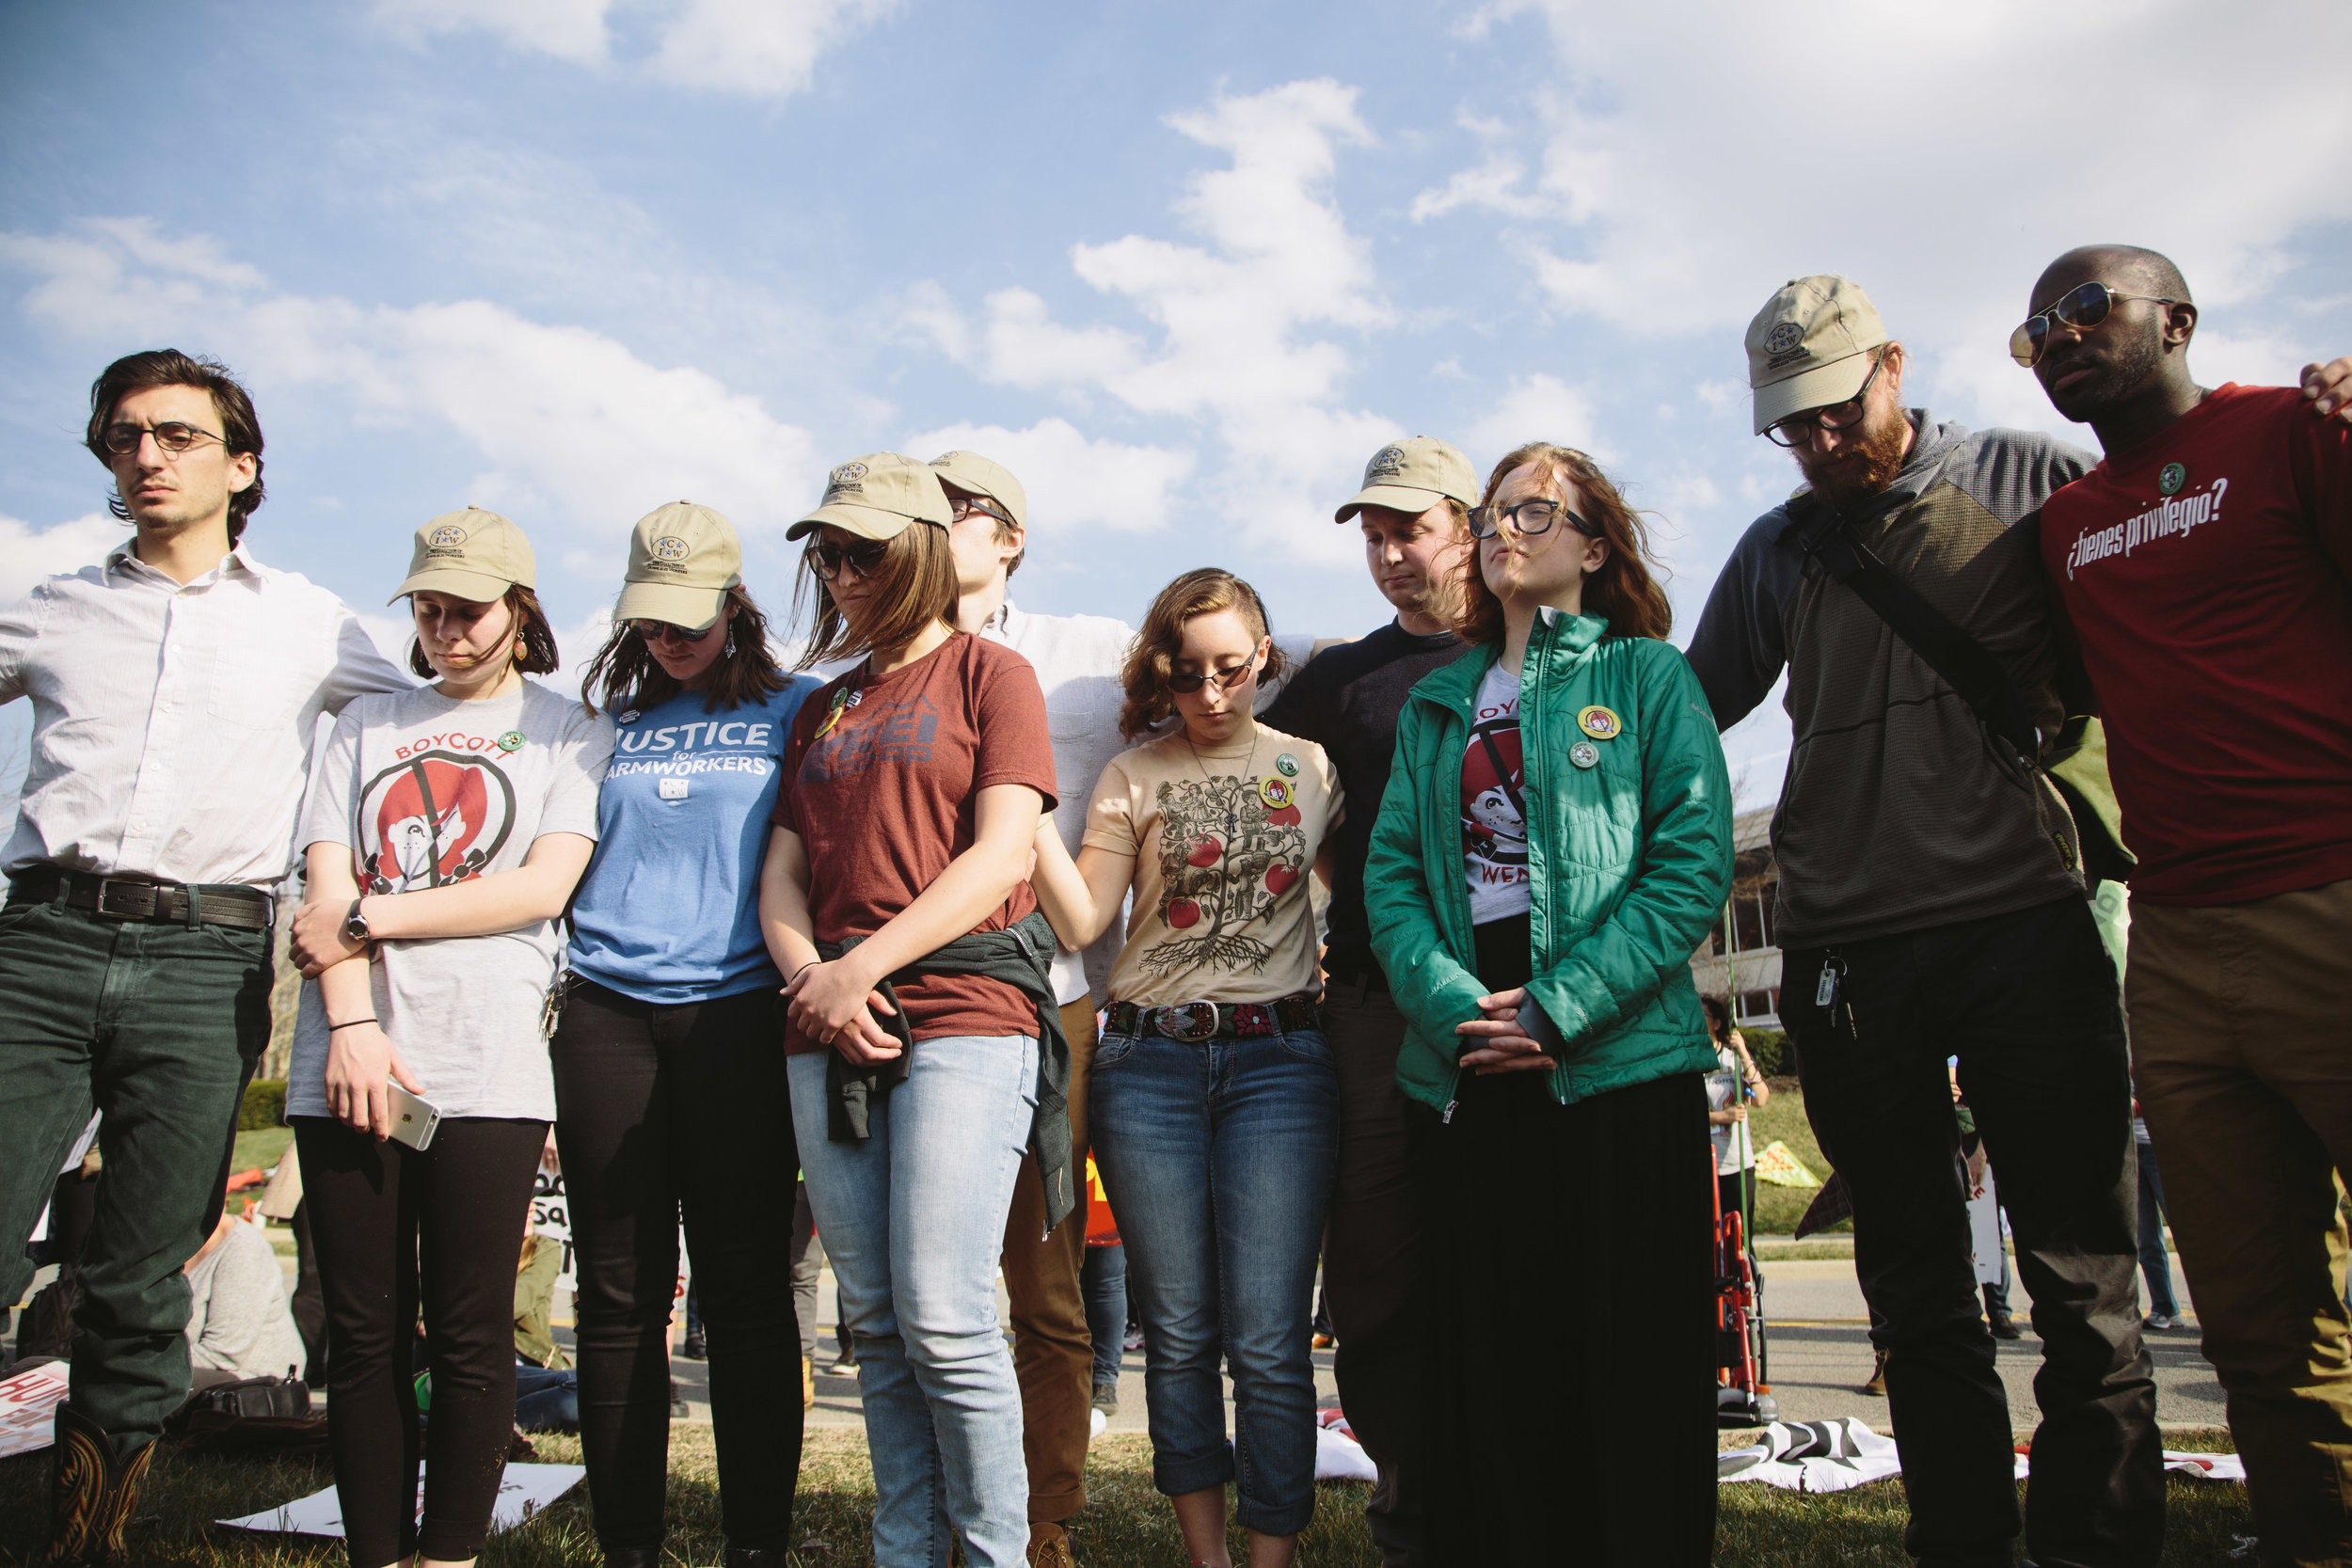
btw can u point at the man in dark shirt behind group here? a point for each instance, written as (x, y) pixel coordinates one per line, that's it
(1414, 510)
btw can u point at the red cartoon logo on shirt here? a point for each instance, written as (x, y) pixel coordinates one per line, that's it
(436, 818)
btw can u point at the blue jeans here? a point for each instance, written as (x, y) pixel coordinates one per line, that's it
(1103, 1280)
(1218, 1158)
(912, 1219)
(2154, 1266)
(546, 1399)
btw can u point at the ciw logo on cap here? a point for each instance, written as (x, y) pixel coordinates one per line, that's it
(877, 495)
(1810, 346)
(469, 554)
(1412, 476)
(683, 558)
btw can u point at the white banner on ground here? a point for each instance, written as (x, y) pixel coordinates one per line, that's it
(523, 1491)
(29, 1407)
(551, 1217)
(1833, 1456)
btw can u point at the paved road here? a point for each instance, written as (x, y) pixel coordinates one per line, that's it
(1820, 1347)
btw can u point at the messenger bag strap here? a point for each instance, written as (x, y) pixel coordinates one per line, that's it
(1981, 680)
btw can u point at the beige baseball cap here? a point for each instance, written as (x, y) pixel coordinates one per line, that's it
(1807, 346)
(474, 554)
(974, 475)
(1413, 476)
(877, 495)
(682, 560)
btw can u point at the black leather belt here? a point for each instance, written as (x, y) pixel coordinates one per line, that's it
(144, 899)
(1209, 1021)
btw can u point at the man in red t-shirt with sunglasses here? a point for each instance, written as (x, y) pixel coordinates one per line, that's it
(2205, 567)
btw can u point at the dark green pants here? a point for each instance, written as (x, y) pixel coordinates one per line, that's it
(158, 1026)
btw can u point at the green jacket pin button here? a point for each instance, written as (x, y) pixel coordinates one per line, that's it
(1600, 724)
(1287, 766)
(511, 741)
(1276, 793)
(1584, 754)
(2168, 483)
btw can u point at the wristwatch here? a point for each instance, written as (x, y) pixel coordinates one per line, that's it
(355, 924)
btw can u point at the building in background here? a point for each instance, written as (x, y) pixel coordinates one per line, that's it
(1741, 959)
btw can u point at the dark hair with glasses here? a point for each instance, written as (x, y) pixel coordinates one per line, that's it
(915, 570)
(628, 676)
(240, 431)
(1150, 672)
(538, 657)
(1622, 591)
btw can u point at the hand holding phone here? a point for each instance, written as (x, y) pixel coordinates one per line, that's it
(414, 1120)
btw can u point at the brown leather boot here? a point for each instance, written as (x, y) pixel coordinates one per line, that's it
(1049, 1545)
(1877, 1386)
(92, 1494)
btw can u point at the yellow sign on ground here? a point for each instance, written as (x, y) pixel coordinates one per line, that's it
(1782, 1169)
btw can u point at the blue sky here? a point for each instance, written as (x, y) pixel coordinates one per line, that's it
(1183, 268)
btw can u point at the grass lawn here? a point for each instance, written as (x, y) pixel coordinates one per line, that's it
(261, 1147)
(1778, 1209)
(1126, 1525)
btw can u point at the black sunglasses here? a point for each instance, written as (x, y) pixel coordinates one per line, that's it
(2081, 309)
(660, 631)
(1797, 429)
(826, 559)
(1528, 520)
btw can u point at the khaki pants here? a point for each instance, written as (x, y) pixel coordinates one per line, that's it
(1053, 1350)
(2242, 1050)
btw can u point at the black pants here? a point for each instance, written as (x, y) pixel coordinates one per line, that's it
(396, 1228)
(662, 1109)
(2027, 1002)
(1588, 1226)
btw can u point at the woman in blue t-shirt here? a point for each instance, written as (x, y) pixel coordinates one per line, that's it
(669, 1050)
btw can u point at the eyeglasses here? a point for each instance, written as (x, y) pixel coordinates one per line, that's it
(172, 436)
(2081, 309)
(961, 507)
(826, 559)
(1193, 680)
(1528, 520)
(1797, 429)
(662, 631)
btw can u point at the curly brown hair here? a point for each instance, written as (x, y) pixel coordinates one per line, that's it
(1623, 591)
(1152, 654)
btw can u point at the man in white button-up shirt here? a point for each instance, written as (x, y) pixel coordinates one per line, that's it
(176, 690)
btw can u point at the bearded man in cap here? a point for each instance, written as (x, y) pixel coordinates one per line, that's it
(1932, 904)
(176, 689)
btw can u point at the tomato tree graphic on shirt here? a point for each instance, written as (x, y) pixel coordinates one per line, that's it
(1226, 858)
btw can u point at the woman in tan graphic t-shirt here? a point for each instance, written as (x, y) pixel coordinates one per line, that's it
(1213, 1103)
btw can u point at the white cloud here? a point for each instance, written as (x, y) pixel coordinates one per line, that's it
(758, 48)
(1250, 326)
(29, 554)
(1072, 481)
(1939, 155)
(1538, 408)
(570, 422)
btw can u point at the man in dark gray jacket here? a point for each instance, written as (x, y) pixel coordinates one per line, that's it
(1931, 905)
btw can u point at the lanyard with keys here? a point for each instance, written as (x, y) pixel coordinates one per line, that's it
(1833, 995)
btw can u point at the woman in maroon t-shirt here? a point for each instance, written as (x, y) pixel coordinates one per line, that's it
(912, 790)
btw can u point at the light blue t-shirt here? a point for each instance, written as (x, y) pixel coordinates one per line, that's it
(669, 911)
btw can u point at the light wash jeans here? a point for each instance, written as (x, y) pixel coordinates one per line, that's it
(913, 1218)
(1218, 1158)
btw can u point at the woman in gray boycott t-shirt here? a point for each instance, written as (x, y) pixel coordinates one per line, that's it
(445, 831)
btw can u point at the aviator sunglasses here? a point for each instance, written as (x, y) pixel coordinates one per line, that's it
(2081, 309)
(826, 559)
(1189, 681)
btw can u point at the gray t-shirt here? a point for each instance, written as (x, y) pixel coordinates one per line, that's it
(429, 791)
(237, 1316)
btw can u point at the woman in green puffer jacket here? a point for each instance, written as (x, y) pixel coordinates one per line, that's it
(1555, 842)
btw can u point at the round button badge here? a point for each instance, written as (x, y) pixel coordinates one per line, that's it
(1287, 766)
(1584, 754)
(2169, 481)
(1600, 724)
(1276, 793)
(511, 741)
